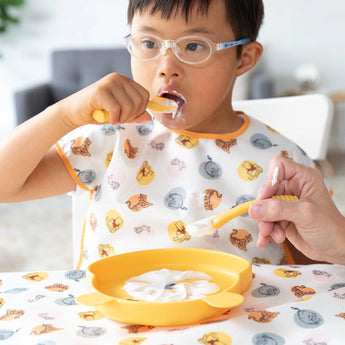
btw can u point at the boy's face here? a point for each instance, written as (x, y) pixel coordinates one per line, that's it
(206, 87)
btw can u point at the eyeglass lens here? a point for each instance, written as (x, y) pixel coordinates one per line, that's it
(189, 49)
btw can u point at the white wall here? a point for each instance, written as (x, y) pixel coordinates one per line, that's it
(45, 26)
(305, 31)
(294, 32)
(297, 32)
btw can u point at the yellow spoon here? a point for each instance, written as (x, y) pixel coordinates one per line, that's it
(160, 104)
(208, 225)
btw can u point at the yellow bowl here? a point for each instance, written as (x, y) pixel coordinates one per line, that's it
(107, 277)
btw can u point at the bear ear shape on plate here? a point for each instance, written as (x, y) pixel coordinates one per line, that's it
(224, 299)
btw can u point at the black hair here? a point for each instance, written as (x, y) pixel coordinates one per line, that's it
(244, 16)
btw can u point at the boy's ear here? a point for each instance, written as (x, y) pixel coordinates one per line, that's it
(251, 54)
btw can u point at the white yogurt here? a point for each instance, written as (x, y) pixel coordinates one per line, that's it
(170, 286)
(201, 228)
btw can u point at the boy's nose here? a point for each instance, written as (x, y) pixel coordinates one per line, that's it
(170, 65)
(169, 44)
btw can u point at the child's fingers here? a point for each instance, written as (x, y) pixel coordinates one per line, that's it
(124, 109)
(144, 97)
(121, 97)
(143, 118)
(109, 105)
(139, 97)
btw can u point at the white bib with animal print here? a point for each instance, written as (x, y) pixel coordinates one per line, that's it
(146, 183)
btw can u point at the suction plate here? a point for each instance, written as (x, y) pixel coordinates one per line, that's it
(231, 273)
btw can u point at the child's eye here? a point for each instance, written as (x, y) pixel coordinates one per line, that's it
(149, 44)
(194, 47)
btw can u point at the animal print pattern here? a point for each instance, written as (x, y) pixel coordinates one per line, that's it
(305, 308)
(148, 177)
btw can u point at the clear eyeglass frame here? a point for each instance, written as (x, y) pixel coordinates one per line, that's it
(157, 47)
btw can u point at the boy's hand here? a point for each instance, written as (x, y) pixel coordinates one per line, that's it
(122, 98)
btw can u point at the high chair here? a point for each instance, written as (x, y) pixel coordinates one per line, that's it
(304, 119)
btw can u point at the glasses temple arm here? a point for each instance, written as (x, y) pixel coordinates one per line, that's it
(225, 45)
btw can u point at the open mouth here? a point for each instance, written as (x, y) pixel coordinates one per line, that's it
(176, 97)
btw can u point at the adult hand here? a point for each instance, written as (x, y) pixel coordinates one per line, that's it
(313, 224)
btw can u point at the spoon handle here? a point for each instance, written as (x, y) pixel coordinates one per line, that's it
(154, 104)
(222, 218)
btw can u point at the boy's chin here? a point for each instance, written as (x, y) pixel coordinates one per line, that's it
(170, 121)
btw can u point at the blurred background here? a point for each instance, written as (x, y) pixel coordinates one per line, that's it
(304, 53)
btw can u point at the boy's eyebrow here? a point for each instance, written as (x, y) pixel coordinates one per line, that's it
(200, 30)
(196, 30)
(147, 28)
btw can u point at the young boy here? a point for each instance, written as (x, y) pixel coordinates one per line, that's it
(147, 181)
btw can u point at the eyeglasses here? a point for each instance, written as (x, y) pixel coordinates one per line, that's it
(189, 49)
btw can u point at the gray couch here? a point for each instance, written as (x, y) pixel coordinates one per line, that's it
(72, 70)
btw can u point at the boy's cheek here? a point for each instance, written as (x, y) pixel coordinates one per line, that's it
(145, 82)
(140, 69)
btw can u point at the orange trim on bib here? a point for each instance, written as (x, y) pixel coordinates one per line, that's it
(69, 167)
(81, 255)
(223, 136)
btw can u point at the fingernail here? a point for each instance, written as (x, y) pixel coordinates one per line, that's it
(257, 211)
(275, 176)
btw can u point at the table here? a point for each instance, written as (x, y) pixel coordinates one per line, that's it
(284, 305)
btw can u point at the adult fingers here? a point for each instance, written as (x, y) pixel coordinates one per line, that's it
(268, 231)
(265, 230)
(283, 174)
(275, 210)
